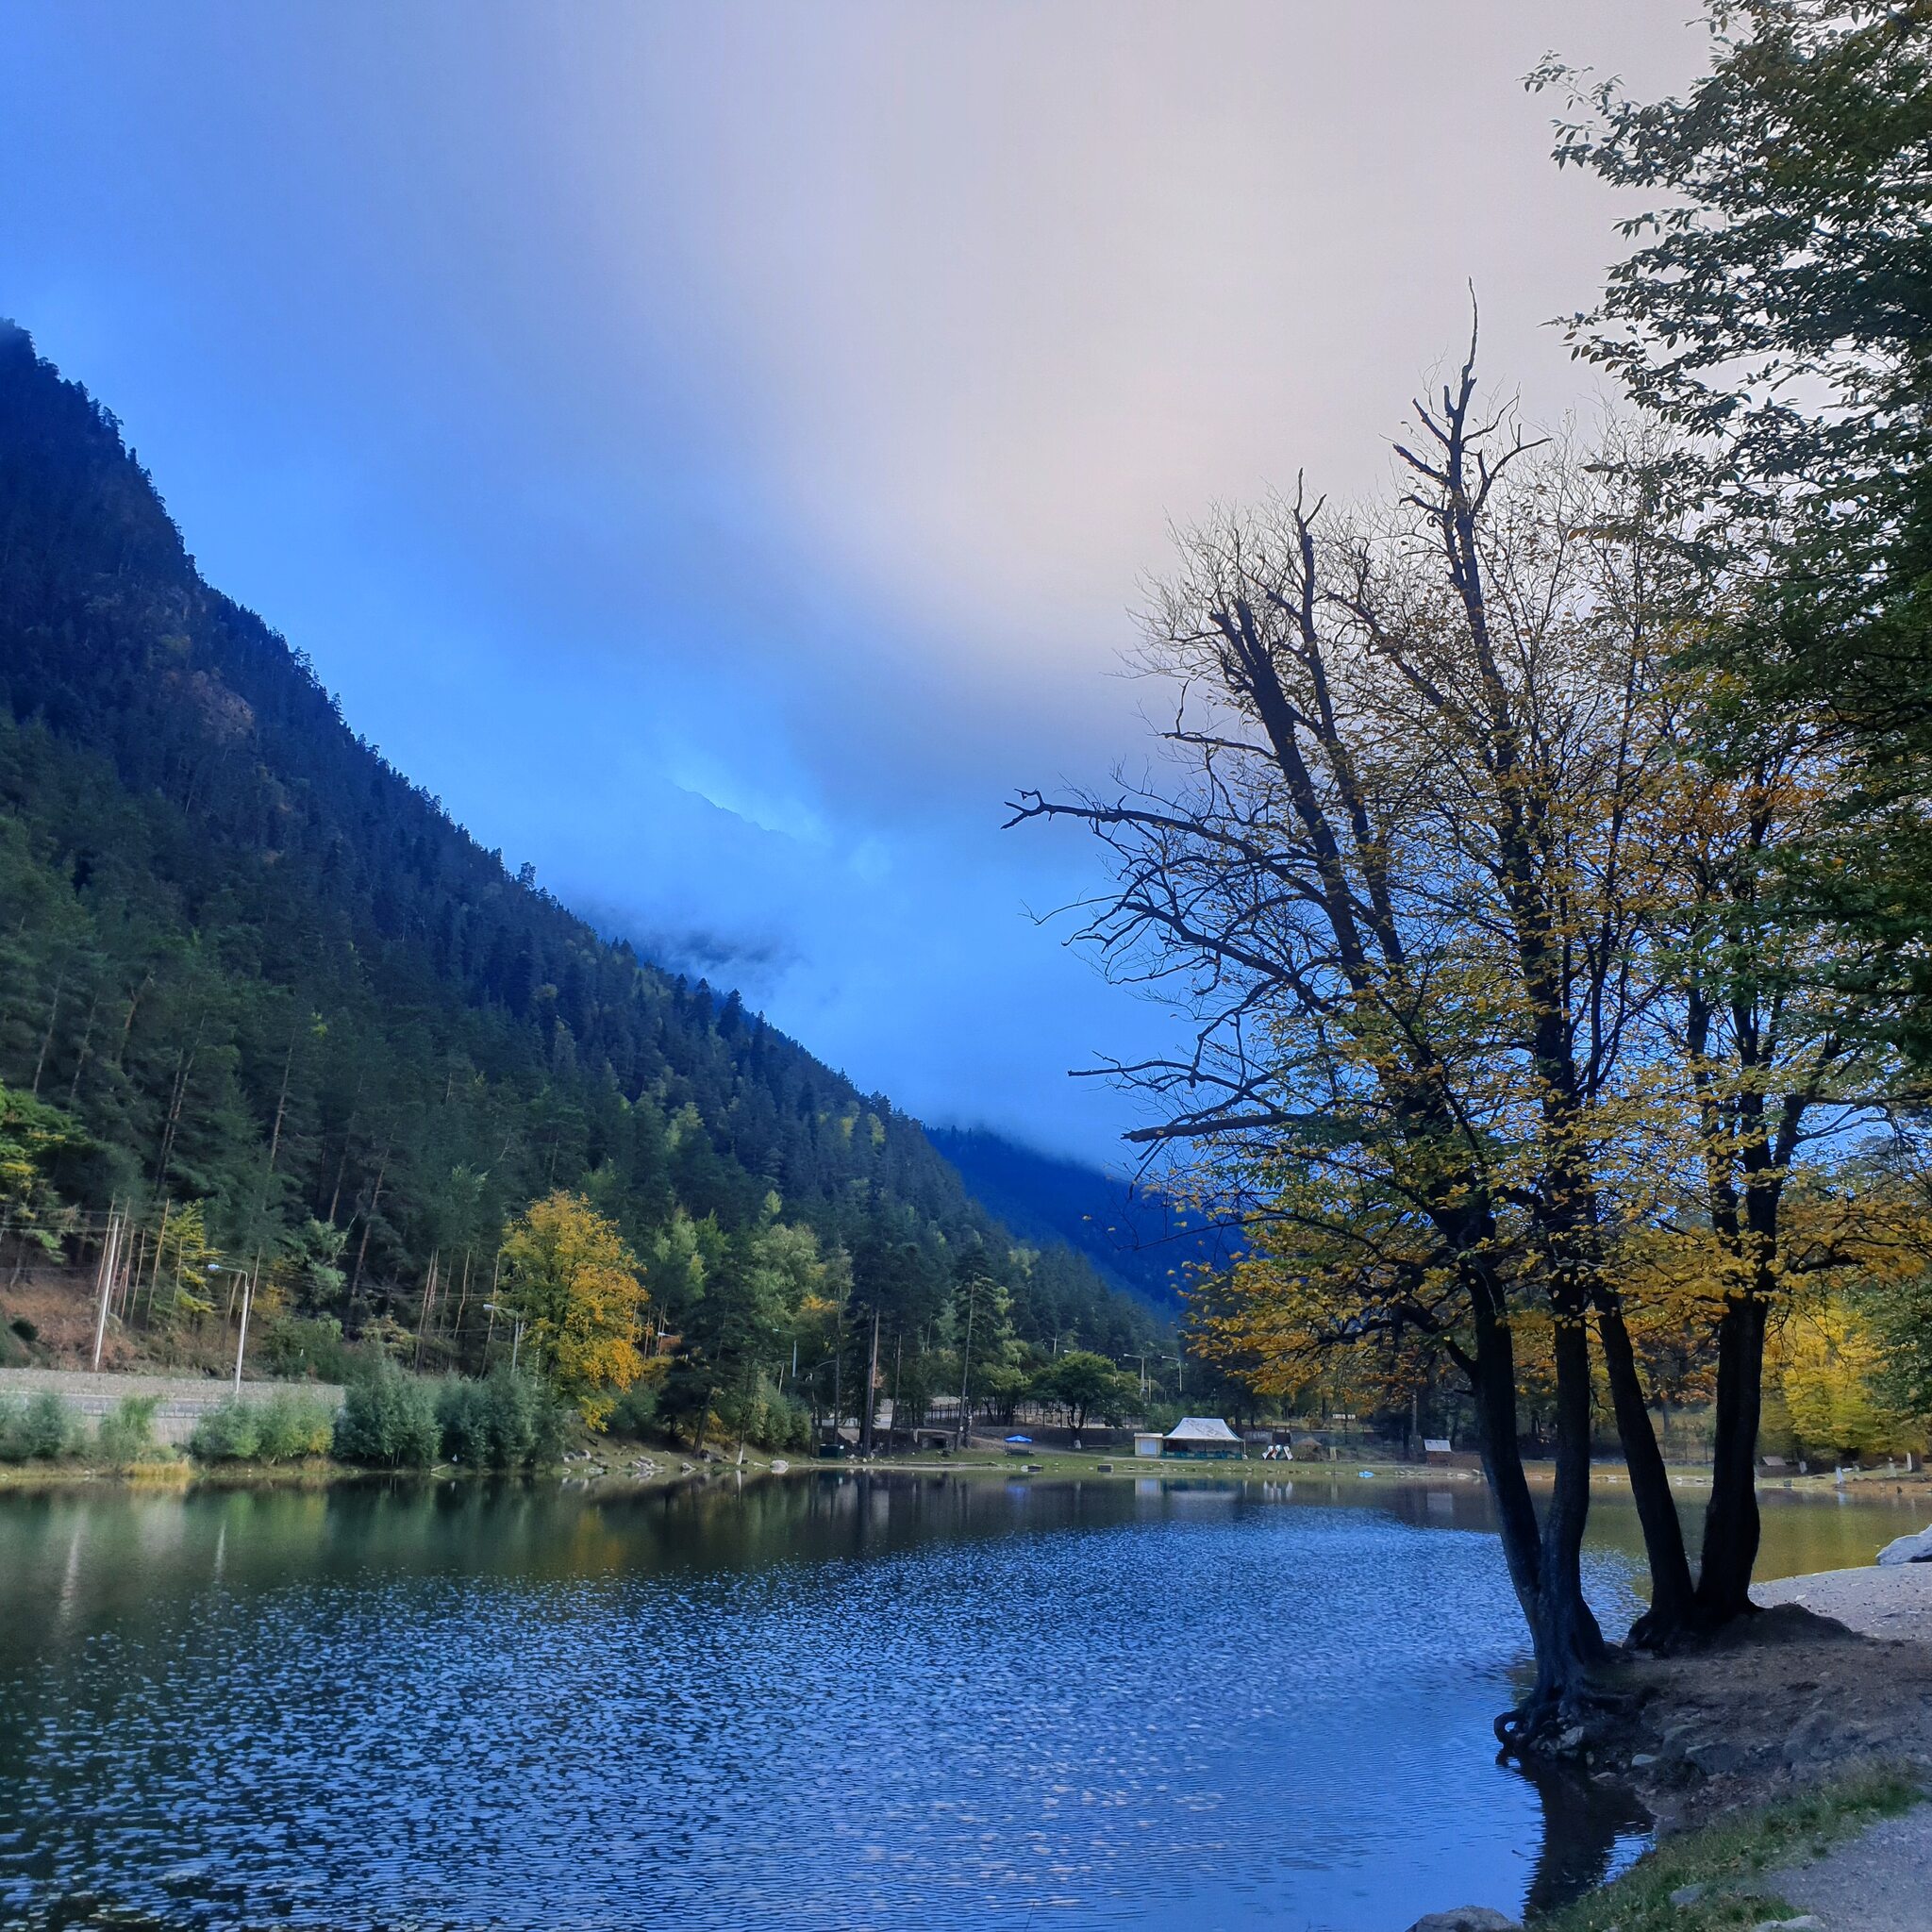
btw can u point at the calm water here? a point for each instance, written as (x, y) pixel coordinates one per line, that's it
(821, 1703)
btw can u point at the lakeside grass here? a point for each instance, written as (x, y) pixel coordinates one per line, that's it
(1728, 1858)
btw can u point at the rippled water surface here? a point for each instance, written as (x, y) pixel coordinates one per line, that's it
(819, 1703)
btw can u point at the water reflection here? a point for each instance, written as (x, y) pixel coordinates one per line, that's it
(841, 1701)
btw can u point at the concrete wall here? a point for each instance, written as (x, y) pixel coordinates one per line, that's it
(183, 1399)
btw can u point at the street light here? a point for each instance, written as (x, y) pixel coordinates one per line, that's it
(247, 1297)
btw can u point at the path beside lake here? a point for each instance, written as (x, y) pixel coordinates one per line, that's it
(1894, 1602)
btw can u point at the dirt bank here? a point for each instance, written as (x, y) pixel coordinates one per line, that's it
(1834, 1674)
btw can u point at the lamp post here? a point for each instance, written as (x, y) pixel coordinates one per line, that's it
(247, 1298)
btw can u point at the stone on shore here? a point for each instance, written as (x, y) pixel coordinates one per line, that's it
(1909, 1549)
(1467, 1919)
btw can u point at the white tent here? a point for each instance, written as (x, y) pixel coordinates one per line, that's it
(1201, 1434)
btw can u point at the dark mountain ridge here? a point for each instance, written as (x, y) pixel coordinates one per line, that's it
(1134, 1236)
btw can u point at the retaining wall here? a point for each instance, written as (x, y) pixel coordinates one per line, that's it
(182, 1399)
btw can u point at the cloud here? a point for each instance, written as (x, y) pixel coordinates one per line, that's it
(718, 449)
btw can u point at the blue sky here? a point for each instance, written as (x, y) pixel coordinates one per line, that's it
(718, 448)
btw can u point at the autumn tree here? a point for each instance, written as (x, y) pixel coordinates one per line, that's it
(1397, 883)
(574, 1282)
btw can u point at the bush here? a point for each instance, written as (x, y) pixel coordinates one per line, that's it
(462, 1416)
(635, 1412)
(507, 1422)
(127, 1435)
(231, 1432)
(295, 1346)
(39, 1429)
(282, 1427)
(389, 1422)
(290, 1426)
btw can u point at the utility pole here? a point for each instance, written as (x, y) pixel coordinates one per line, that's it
(248, 1281)
(872, 1383)
(966, 1356)
(110, 1248)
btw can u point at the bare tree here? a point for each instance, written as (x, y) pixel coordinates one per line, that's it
(1398, 878)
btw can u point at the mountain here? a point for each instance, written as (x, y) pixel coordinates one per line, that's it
(283, 991)
(1134, 1237)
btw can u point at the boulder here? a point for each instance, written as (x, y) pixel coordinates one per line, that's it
(1715, 1757)
(1466, 1919)
(1909, 1549)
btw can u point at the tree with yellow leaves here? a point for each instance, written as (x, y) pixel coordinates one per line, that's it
(577, 1288)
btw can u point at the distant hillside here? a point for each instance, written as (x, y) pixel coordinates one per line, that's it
(280, 988)
(1135, 1237)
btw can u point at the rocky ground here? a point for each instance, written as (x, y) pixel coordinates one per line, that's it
(1835, 1674)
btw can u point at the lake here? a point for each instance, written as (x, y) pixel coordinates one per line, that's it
(828, 1701)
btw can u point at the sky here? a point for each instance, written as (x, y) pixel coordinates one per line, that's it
(719, 449)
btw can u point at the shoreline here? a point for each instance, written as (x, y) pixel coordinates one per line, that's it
(1784, 1763)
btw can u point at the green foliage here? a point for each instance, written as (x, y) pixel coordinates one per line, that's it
(293, 1346)
(635, 1413)
(36, 1428)
(127, 1432)
(389, 1421)
(1901, 1314)
(1775, 309)
(231, 1432)
(1081, 1381)
(41, 1150)
(290, 1426)
(510, 1420)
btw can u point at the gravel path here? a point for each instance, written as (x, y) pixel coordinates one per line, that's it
(1895, 1602)
(1880, 1882)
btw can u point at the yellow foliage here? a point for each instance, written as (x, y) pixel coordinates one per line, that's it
(1825, 1362)
(577, 1286)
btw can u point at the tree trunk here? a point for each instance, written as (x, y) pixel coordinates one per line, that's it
(1569, 1644)
(1649, 1484)
(1730, 1522)
(1544, 1565)
(1493, 1385)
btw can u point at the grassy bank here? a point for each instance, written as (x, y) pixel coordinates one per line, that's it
(1723, 1876)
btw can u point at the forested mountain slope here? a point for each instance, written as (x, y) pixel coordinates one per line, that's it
(278, 983)
(1133, 1234)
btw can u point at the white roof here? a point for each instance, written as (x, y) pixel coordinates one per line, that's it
(1202, 1429)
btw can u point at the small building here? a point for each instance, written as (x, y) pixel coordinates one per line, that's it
(1145, 1444)
(1202, 1437)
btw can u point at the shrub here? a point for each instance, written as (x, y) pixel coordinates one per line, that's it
(295, 1346)
(39, 1429)
(281, 1428)
(24, 1328)
(462, 1416)
(507, 1422)
(127, 1435)
(290, 1426)
(230, 1432)
(635, 1412)
(389, 1422)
